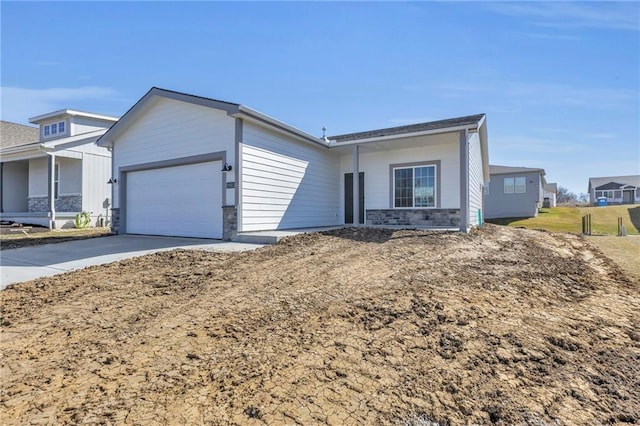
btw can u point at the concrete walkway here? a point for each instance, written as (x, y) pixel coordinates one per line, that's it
(29, 263)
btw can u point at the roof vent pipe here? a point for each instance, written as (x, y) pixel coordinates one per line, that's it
(324, 134)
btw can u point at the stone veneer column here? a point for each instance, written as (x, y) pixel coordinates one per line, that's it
(229, 222)
(115, 220)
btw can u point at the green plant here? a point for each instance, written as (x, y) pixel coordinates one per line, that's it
(82, 220)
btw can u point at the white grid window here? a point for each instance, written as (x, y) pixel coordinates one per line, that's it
(414, 187)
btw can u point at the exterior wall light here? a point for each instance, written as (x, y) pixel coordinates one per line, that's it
(111, 181)
(226, 167)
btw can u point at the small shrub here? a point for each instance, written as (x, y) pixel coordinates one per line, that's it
(82, 220)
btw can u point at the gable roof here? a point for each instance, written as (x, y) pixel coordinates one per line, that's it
(503, 170)
(411, 128)
(551, 187)
(233, 110)
(610, 185)
(14, 134)
(618, 181)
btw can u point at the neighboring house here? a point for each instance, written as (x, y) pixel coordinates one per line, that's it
(514, 192)
(615, 189)
(550, 195)
(52, 172)
(186, 165)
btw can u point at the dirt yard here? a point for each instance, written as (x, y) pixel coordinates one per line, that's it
(17, 237)
(505, 326)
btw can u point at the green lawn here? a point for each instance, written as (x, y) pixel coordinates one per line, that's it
(624, 251)
(604, 220)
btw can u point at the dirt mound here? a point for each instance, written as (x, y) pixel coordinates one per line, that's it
(354, 326)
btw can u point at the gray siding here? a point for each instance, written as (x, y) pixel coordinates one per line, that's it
(497, 204)
(15, 187)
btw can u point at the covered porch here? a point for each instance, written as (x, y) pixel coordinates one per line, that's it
(41, 188)
(414, 177)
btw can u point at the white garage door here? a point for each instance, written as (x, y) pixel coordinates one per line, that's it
(183, 201)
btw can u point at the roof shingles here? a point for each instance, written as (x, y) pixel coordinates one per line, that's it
(412, 128)
(14, 134)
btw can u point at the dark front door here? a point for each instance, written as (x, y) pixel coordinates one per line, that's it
(348, 197)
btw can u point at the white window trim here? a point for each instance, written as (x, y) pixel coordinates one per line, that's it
(414, 166)
(513, 185)
(48, 128)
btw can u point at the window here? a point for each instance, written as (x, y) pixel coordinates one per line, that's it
(638, 192)
(55, 128)
(617, 194)
(508, 185)
(56, 180)
(517, 185)
(414, 186)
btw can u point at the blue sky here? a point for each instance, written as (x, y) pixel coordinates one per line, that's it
(559, 81)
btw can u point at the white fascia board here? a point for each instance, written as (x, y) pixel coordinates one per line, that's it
(23, 152)
(71, 112)
(260, 118)
(470, 128)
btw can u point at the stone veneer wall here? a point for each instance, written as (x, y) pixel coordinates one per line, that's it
(229, 222)
(38, 204)
(65, 203)
(69, 203)
(115, 220)
(414, 217)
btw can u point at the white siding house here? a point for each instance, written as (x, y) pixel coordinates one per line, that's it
(58, 173)
(193, 166)
(286, 183)
(615, 189)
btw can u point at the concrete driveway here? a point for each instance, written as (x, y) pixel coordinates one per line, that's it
(29, 263)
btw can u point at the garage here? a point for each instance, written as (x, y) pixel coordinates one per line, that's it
(182, 201)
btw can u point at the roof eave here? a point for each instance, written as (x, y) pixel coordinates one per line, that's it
(71, 112)
(334, 143)
(260, 118)
(22, 150)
